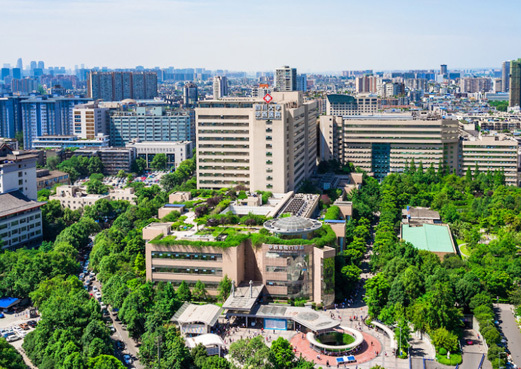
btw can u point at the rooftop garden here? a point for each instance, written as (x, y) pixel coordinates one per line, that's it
(323, 237)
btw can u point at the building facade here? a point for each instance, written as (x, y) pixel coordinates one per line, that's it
(64, 142)
(505, 76)
(385, 144)
(220, 87)
(43, 117)
(492, 153)
(46, 178)
(20, 214)
(285, 271)
(117, 86)
(10, 116)
(150, 124)
(76, 197)
(286, 79)
(90, 120)
(341, 105)
(262, 146)
(515, 83)
(175, 152)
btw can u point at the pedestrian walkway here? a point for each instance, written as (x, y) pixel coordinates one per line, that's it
(369, 350)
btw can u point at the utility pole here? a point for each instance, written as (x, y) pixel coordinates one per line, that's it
(159, 352)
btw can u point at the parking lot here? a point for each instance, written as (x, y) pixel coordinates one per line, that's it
(12, 331)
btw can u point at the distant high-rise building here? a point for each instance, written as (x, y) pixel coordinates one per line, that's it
(190, 94)
(41, 65)
(4, 72)
(24, 86)
(16, 73)
(366, 84)
(117, 86)
(286, 79)
(220, 87)
(19, 64)
(473, 85)
(42, 117)
(515, 82)
(443, 69)
(33, 65)
(505, 76)
(302, 82)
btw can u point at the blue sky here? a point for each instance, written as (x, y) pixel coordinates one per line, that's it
(314, 36)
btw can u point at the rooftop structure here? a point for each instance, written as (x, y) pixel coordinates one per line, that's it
(196, 319)
(292, 226)
(420, 215)
(436, 238)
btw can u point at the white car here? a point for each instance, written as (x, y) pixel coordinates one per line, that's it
(97, 295)
(95, 289)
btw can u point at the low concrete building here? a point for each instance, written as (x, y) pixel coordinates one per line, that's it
(20, 221)
(179, 196)
(175, 151)
(46, 178)
(76, 197)
(153, 230)
(168, 208)
(420, 215)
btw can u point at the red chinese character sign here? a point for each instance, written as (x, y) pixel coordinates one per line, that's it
(268, 98)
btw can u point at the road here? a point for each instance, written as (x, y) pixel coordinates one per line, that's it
(122, 335)
(510, 330)
(472, 354)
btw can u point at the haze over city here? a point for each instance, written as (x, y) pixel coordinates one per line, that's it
(329, 35)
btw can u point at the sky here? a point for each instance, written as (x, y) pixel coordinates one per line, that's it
(311, 35)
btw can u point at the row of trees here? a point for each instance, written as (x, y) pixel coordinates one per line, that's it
(416, 286)
(71, 332)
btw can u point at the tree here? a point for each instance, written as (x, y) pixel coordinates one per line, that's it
(52, 162)
(216, 362)
(224, 288)
(183, 292)
(200, 293)
(121, 174)
(251, 353)
(95, 165)
(9, 357)
(105, 362)
(281, 354)
(138, 166)
(159, 162)
(19, 136)
(95, 186)
(441, 337)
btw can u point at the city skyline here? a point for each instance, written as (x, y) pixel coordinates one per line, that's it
(260, 36)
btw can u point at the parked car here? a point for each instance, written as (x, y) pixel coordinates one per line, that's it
(127, 359)
(32, 323)
(24, 326)
(2, 315)
(470, 342)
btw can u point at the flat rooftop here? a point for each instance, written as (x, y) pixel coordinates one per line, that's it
(430, 237)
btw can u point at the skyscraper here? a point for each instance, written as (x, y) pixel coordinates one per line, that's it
(19, 64)
(220, 87)
(443, 69)
(515, 82)
(286, 79)
(41, 65)
(33, 65)
(505, 76)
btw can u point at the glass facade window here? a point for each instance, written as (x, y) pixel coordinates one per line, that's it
(186, 256)
(187, 270)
